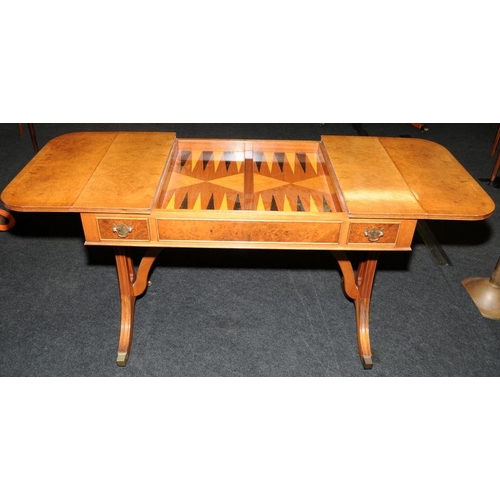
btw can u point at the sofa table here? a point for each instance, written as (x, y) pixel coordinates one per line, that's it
(154, 190)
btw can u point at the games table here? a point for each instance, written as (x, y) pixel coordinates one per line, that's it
(154, 190)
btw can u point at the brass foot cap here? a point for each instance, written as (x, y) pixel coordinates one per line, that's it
(367, 362)
(121, 359)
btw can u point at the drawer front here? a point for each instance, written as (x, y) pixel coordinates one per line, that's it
(249, 231)
(379, 235)
(373, 233)
(123, 229)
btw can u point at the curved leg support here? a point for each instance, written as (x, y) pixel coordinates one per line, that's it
(127, 325)
(349, 279)
(126, 277)
(131, 285)
(366, 277)
(359, 286)
(141, 280)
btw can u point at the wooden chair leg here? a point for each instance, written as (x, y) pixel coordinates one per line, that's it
(494, 172)
(495, 142)
(421, 126)
(31, 128)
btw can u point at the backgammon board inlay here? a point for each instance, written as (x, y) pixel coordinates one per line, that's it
(239, 179)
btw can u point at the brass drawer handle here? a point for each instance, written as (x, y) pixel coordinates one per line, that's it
(122, 230)
(374, 234)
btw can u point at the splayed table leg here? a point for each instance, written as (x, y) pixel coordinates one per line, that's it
(358, 286)
(132, 285)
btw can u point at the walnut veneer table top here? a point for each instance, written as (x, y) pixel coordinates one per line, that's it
(130, 173)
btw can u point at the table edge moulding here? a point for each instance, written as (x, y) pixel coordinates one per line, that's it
(153, 190)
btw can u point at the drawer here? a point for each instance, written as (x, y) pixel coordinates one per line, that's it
(372, 232)
(381, 234)
(102, 228)
(123, 229)
(259, 232)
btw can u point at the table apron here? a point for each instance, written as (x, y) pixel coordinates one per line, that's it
(156, 231)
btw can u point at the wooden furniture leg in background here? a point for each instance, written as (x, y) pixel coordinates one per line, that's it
(31, 128)
(496, 166)
(421, 126)
(132, 285)
(495, 143)
(358, 286)
(7, 221)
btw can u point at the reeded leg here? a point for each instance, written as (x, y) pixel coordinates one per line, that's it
(359, 286)
(131, 285)
(366, 277)
(126, 278)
